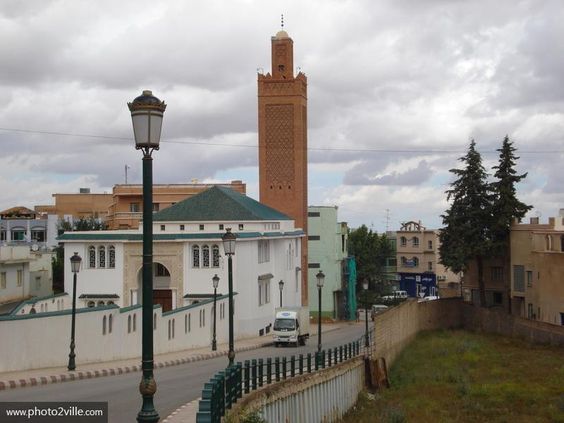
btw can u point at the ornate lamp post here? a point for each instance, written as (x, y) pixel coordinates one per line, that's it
(147, 116)
(75, 267)
(320, 281)
(365, 288)
(215, 282)
(281, 286)
(229, 239)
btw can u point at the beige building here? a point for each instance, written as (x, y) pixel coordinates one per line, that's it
(537, 270)
(126, 207)
(78, 205)
(418, 267)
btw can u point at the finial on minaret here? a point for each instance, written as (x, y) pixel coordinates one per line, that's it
(282, 21)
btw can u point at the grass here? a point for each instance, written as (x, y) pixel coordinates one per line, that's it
(461, 376)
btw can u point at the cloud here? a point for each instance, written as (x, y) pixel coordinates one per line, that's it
(383, 77)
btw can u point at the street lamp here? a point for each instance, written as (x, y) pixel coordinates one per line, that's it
(320, 280)
(229, 239)
(281, 286)
(75, 268)
(147, 117)
(215, 282)
(365, 288)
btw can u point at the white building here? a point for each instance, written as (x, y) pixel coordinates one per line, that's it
(188, 252)
(24, 273)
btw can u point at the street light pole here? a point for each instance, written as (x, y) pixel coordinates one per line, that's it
(75, 267)
(320, 280)
(365, 287)
(147, 115)
(281, 286)
(229, 248)
(215, 281)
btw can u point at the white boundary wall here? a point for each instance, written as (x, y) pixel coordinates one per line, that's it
(108, 333)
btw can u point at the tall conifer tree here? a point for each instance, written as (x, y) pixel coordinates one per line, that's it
(506, 205)
(467, 223)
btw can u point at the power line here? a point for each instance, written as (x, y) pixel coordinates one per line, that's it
(217, 144)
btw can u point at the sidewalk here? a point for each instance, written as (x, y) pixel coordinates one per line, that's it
(12, 380)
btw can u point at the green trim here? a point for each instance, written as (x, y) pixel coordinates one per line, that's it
(33, 300)
(107, 236)
(129, 308)
(191, 306)
(58, 313)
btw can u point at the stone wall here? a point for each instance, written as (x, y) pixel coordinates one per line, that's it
(498, 321)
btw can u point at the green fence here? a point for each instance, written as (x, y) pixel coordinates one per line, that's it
(227, 386)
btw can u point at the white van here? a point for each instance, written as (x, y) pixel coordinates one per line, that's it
(400, 294)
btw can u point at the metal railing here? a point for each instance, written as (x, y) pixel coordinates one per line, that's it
(227, 386)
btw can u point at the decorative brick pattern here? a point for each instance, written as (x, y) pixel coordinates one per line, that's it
(280, 144)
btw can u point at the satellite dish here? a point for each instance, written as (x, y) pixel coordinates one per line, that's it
(35, 247)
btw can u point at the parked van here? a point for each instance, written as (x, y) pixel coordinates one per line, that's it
(400, 294)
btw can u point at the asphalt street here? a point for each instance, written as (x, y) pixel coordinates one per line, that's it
(176, 385)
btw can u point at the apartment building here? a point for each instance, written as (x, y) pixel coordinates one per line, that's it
(126, 207)
(419, 270)
(537, 270)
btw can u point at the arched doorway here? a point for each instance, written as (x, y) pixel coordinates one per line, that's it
(162, 293)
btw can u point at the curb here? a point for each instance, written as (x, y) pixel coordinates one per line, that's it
(91, 374)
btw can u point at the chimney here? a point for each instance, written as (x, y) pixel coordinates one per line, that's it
(534, 220)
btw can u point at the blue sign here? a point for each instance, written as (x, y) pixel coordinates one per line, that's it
(415, 283)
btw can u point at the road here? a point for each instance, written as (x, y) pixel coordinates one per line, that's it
(176, 385)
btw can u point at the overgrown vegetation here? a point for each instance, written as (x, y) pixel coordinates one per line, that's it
(460, 376)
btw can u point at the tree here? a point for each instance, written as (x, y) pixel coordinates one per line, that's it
(467, 231)
(506, 205)
(370, 251)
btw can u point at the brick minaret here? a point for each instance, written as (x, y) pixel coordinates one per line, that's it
(282, 118)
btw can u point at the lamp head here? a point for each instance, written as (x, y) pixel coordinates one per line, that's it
(229, 239)
(147, 116)
(215, 281)
(320, 279)
(75, 263)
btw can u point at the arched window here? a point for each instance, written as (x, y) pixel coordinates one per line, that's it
(415, 241)
(91, 257)
(169, 328)
(129, 324)
(196, 256)
(91, 304)
(185, 323)
(111, 257)
(134, 322)
(403, 241)
(102, 256)
(110, 320)
(101, 303)
(415, 262)
(173, 320)
(104, 325)
(215, 256)
(155, 321)
(205, 256)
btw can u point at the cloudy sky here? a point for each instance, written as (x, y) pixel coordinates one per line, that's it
(397, 88)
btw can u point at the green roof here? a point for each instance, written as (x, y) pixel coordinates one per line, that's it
(218, 204)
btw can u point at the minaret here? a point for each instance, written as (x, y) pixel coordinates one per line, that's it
(282, 122)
